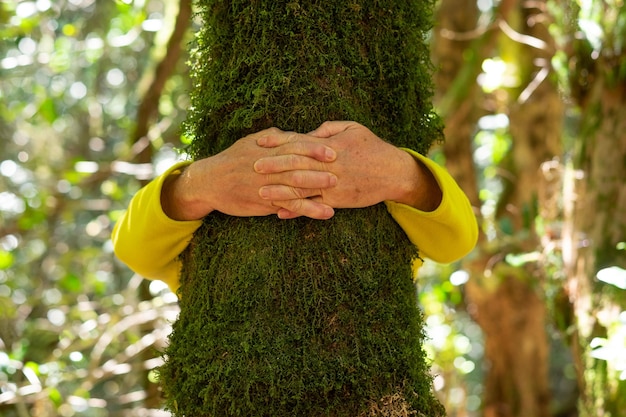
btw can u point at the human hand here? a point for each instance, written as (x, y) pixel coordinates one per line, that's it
(227, 182)
(368, 170)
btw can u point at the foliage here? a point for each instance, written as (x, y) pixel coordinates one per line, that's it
(75, 336)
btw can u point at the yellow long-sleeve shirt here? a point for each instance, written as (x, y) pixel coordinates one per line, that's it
(149, 242)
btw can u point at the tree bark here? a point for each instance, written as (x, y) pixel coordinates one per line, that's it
(594, 226)
(512, 317)
(302, 317)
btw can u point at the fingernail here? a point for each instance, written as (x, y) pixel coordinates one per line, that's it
(258, 167)
(330, 154)
(264, 193)
(262, 141)
(333, 180)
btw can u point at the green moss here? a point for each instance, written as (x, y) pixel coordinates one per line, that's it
(294, 65)
(304, 317)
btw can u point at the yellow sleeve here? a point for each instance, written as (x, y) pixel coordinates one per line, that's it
(449, 232)
(147, 240)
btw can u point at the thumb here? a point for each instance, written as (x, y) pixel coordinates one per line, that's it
(331, 128)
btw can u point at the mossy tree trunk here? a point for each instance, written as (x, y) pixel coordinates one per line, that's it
(304, 317)
(594, 229)
(595, 233)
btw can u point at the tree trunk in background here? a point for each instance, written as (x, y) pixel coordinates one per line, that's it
(304, 317)
(451, 55)
(509, 304)
(599, 225)
(504, 299)
(595, 221)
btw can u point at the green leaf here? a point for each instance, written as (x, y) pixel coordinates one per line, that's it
(506, 225)
(55, 396)
(71, 283)
(48, 111)
(6, 259)
(34, 366)
(31, 218)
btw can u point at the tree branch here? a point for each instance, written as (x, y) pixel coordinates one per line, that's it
(150, 102)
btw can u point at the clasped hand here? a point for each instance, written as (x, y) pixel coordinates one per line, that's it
(339, 165)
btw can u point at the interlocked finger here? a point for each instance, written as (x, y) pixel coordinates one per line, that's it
(288, 162)
(297, 144)
(284, 192)
(303, 207)
(301, 179)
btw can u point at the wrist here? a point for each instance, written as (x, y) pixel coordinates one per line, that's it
(179, 196)
(418, 187)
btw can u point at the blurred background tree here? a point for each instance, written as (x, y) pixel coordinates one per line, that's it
(533, 323)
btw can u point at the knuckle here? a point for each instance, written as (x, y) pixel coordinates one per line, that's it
(299, 179)
(299, 193)
(269, 179)
(295, 205)
(292, 137)
(296, 147)
(291, 162)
